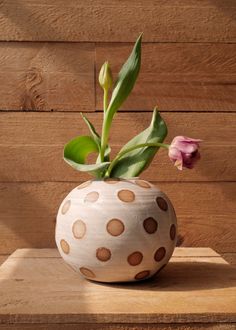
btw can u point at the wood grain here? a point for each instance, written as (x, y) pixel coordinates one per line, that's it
(127, 326)
(114, 20)
(47, 76)
(60, 76)
(72, 299)
(177, 76)
(206, 213)
(38, 150)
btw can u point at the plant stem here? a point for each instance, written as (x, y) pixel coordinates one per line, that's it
(105, 106)
(122, 153)
(105, 99)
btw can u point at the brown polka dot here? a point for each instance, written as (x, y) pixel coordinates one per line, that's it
(84, 184)
(172, 232)
(87, 272)
(150, 225)
(103, 254)
(92, 197)
(143, 184)
(112, 180)
(115, 227)
(142, 275)
(66, 207)
(79, 229)
(135, 258)
(162, 203)
(65, 246)
(160, 254)
(126, 195)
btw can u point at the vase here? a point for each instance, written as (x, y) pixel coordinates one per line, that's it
(116, 230)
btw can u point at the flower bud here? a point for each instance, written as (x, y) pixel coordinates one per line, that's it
(105, 76)
(183, 151)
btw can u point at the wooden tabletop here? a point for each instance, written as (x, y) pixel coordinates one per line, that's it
(196, 290)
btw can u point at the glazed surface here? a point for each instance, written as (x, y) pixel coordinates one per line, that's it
(116, 230)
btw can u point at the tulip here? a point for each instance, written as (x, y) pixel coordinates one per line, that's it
(183, 151)
(105, 76)
(106, 81)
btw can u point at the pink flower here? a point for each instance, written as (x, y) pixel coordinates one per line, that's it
(183, 151)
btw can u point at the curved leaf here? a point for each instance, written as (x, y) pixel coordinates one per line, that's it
(92, 131)
(96, 170)
(126, 79)
(76, 152)
(136, 161)
(97, 139)
(123, 86)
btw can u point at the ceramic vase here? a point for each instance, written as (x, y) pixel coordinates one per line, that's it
(116, 230)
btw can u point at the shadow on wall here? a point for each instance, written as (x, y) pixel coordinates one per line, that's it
(48, 69)
(228, 7)
(29, 214)
(24, 19)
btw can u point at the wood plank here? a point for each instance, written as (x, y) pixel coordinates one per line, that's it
(58, 76)
(199, 252)
(36, 253)
(205, 211)
(62, 296)
(38, 151)
(118, 21)
(45, 163)
(177, 76)
(230, 257)
(63, 271)
(179, 252)
(3, 258)
(126, 326)
(47, 76)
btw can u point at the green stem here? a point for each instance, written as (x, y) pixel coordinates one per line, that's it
(122, 153)
(103, 139)
(105, 99)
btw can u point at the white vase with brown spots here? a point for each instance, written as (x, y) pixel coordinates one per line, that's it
(116, 230)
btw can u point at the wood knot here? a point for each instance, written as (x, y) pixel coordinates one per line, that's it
(32, 100)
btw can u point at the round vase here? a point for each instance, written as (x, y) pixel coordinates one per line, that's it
(116, 230)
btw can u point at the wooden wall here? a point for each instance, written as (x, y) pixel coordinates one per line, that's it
(50, 55)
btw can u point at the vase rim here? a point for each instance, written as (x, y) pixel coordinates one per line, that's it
(118, 179)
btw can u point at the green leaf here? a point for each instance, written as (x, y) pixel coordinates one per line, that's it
(136, 161)
(96, 170)
(97, 139)
(126, 79)
(76, 152)
(123, 86)
(92, 131)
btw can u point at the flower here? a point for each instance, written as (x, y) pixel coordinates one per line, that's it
(183, 151)
(105, 76)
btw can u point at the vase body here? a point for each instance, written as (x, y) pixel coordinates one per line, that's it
(116, 230)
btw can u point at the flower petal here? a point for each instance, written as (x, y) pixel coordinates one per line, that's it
(179, 164)
(187, 147)
(174, 153)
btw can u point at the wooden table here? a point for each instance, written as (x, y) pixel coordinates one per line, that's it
(197, 290)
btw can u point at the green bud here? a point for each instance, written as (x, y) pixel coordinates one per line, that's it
(105, 76)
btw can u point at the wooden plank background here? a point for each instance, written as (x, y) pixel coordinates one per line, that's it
(118, 20)
(50, 56)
